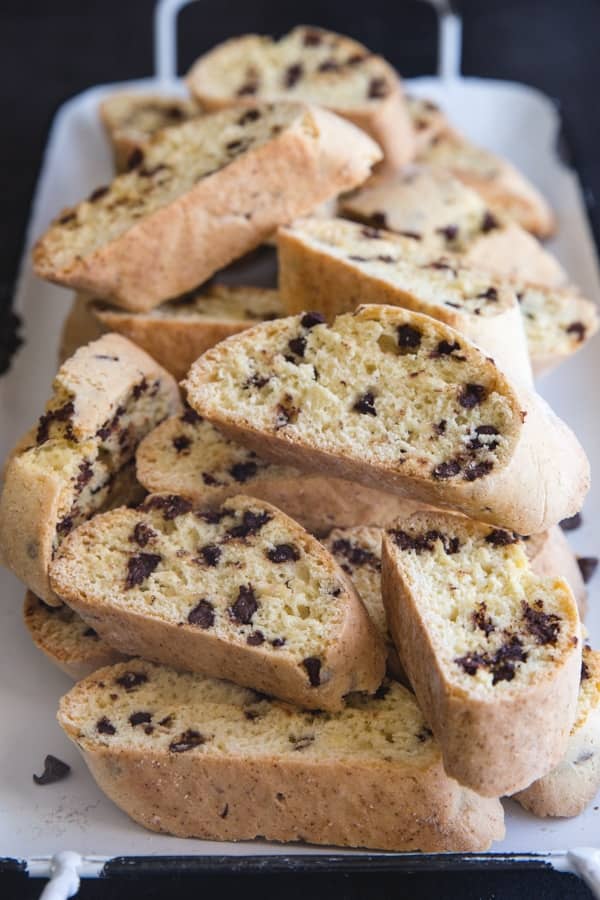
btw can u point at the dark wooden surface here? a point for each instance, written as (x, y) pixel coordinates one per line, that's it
(53, 50)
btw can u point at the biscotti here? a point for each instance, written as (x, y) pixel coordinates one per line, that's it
(66, 639)
(175, 334)
(333, 265)
(239, 591)
(505, 190)
(187, 455)
(314, 66)
(79, 459)
(434, 207)
(493, 652)
(397, 401)
(203, 194)
(427, 119)
(574, 782)
(130, 120)
(233, 765)
(551, 555)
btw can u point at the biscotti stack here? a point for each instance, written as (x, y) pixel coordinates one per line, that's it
(323, 596)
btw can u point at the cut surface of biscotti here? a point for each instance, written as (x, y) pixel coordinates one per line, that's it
(505, 190)
(187, 455)
(239, 591)
(575, 781)
(435, 207)
(551, 555)
(315, 66)
(131, 120)
(66, 639)
(203, 194)
(333, 265)
(79, 459)
(397, 401)
(235, 765)
(492, 650)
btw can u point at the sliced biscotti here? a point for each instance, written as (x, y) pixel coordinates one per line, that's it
(397, 401)
(79, 459)
(435, 207)
(130, 120)
(239, 591)
(203, 194)
(314, 66)
(505, 190)
(66, 639)
(493, 651)
(178, 332)
(189, 456)
(574, 782)
(333, 265)
(234, 765)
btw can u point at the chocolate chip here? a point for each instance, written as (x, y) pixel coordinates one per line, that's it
(440, 427)
(501, 538)
(445, 348)
(187, 741)
(203, 615)
(585, 671)
(409, 338)
(181, 442)
(255, 639)
(209, 479)
(578, 329)
(213, 516)
(245, 606)
(284, 414)
(473, 471)
(238, 144)
(297, 345)
(447, 469)
(62, 414)
(449, 232)
(283, 553)
(425, 734)
(139, 567)
(142, 534)
(312, 38)
(191, 416)
(356, 58)
(242, 471)
(545, 627)
(257, 380)
(313, 669)
(501, 664)
(371, 233)
(310, 319)
(481, 620)
(149, 173)
(587, 566)
(90, 633)
(98, 193)
(356, 258)
(54, 770)
(171, 505)
(381, 692)
(355, 554)
(424, 542)
(293, 74)
(136, 157)
(278, 642)
(68, 217)
(490, 294)
(64, 526)
(470, 662)
(365, 404)
(329, 65)
(105, 726)
(301, 743)
(251, 715)
(489, 222)
(166, 722)
(572, 522)
(140, 718)
(250, 87)
(386, 258)
(471, 395)
(476, 444)
(130, 680)
(378, 219)
(378, 88)
(251, 523)
(85, 474)
(211, 554)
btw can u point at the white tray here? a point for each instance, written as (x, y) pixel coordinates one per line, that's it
(37, 822)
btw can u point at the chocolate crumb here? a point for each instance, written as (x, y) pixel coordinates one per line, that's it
(187, 741)
(409, 338)
(181, 442)
(313, 668)
(482, 621)
(242, 471)
(255, 639)
(501, 538)
(130, 680)
(139, 567)
(585, 671)
(54, 770)
(440, 427)
(545, 627)
(105, 726)
(447, 469)
(365, 404)
(171, 505)
(251, 523)
(211, 554)
(203, 615)
(471, 395)
(140, 718)
(142, 534)
(473, 471)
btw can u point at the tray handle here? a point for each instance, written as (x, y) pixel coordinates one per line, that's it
(165, 39)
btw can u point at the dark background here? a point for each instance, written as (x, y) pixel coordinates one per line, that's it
(53, 49)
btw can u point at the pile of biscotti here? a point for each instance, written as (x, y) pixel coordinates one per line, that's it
(318, 590)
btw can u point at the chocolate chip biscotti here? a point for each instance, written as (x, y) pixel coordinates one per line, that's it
(575, 781)
(187, 455)
(79, 459)
(397, 401)
(66, 639)
(332, 265)
(239, 591)
(202, 194)
(493, 651)
(234, 765)
(313, 66)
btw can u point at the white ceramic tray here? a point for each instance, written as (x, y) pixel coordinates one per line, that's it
(37, 822)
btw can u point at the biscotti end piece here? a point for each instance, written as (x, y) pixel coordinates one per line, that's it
(66, 639)
(176, 333)
(574, 782)
(130, 120)
(492, 651)
(238, 591)
(332, 265)
(314, 66)
(234, 765)
(79, 458)
(203, 194)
